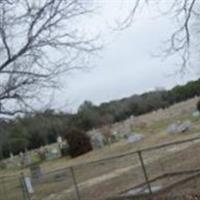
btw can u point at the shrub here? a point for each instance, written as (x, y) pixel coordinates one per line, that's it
(79, 143)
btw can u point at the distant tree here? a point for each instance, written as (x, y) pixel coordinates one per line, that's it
(79, 142)
(87, 116)
(198, 105)
(85, 106)
(3, 139)
(106, 118)
(18, 139)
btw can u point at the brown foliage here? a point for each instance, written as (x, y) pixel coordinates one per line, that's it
(79, 142)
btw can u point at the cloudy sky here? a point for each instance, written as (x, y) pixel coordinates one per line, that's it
(126, 65)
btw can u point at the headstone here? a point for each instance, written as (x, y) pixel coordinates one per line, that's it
(11, 156)
(135, 138)
(172, 128)
(59, 139)
(60, 143)
(12, 161)
(185, 126)
(196, 114)
(28, 184)
(179, 127)
(141, 190)
(97, 140)
(53, 153)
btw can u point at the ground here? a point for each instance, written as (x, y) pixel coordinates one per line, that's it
(105, 178)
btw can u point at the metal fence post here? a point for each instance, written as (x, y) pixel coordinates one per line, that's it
(25, 191)
(75, 184)
(1, 187)
(144, 171)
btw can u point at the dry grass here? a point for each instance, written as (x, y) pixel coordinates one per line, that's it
(99, 180)
(154, 134)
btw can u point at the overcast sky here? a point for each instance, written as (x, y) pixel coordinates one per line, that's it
(125, 66)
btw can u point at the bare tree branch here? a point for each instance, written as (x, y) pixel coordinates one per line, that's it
(38, 41)
(184, 12)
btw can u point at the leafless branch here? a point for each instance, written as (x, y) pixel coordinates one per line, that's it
(184, 12)
(38, 41)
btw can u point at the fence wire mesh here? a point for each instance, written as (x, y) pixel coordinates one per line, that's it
(175, 166)
(11, 188)
(58, 184)
(173, 163)
(103, 179)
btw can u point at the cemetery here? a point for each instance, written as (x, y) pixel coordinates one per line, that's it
(112, 161)
(29, 158)
(129, 129)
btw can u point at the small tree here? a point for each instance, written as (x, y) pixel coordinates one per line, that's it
(79, 142)
(198, 105)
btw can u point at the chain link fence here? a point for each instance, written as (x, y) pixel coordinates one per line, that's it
(161, 168)
(11, 188)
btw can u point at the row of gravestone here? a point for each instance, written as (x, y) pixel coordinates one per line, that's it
(179, 127)
(98, 140)
(182, 127)
(27, 158)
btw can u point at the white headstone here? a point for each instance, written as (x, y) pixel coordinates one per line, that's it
(172, 128)
(59, 139)
(29, 186)
(11, 155)
(196, 114)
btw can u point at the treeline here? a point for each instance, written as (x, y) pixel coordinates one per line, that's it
(35, 130)
(89, 115)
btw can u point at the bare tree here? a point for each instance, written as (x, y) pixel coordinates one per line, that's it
(185, 13)
(39, 39)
